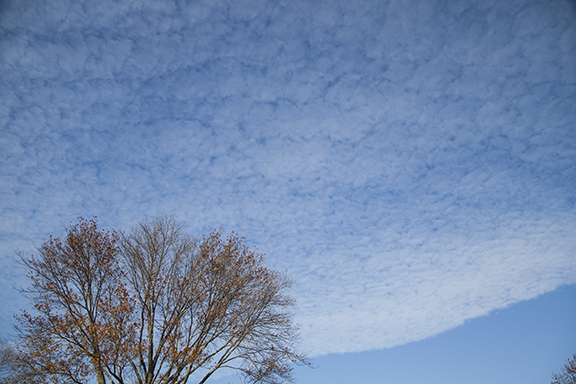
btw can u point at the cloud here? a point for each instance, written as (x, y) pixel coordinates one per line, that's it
(410, 164)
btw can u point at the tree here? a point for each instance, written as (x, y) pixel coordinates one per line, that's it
(7, 357)
(568, 373)
(84, 323)
(154, 306)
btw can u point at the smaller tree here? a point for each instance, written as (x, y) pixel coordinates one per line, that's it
(7, 358)
(567, 374)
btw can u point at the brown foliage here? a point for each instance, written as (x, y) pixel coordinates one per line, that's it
(154, 306)
(84, 316)
(568, 373)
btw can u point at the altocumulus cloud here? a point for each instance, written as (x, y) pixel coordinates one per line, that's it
(411, 164)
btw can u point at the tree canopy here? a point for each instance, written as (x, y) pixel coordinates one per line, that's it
(153, 305)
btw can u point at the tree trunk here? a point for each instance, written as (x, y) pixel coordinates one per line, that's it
(100, 378)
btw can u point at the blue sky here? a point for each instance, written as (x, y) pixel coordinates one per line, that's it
(412, 165)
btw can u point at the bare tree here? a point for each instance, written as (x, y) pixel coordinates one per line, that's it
(568, 373)
(206, 305)
(7, 358)
(153, 305)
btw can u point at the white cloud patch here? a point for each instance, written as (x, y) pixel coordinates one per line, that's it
(411, 165)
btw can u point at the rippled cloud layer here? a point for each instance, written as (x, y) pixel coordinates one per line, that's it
(411, 164)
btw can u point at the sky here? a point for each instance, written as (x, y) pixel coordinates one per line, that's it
(410, 164)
